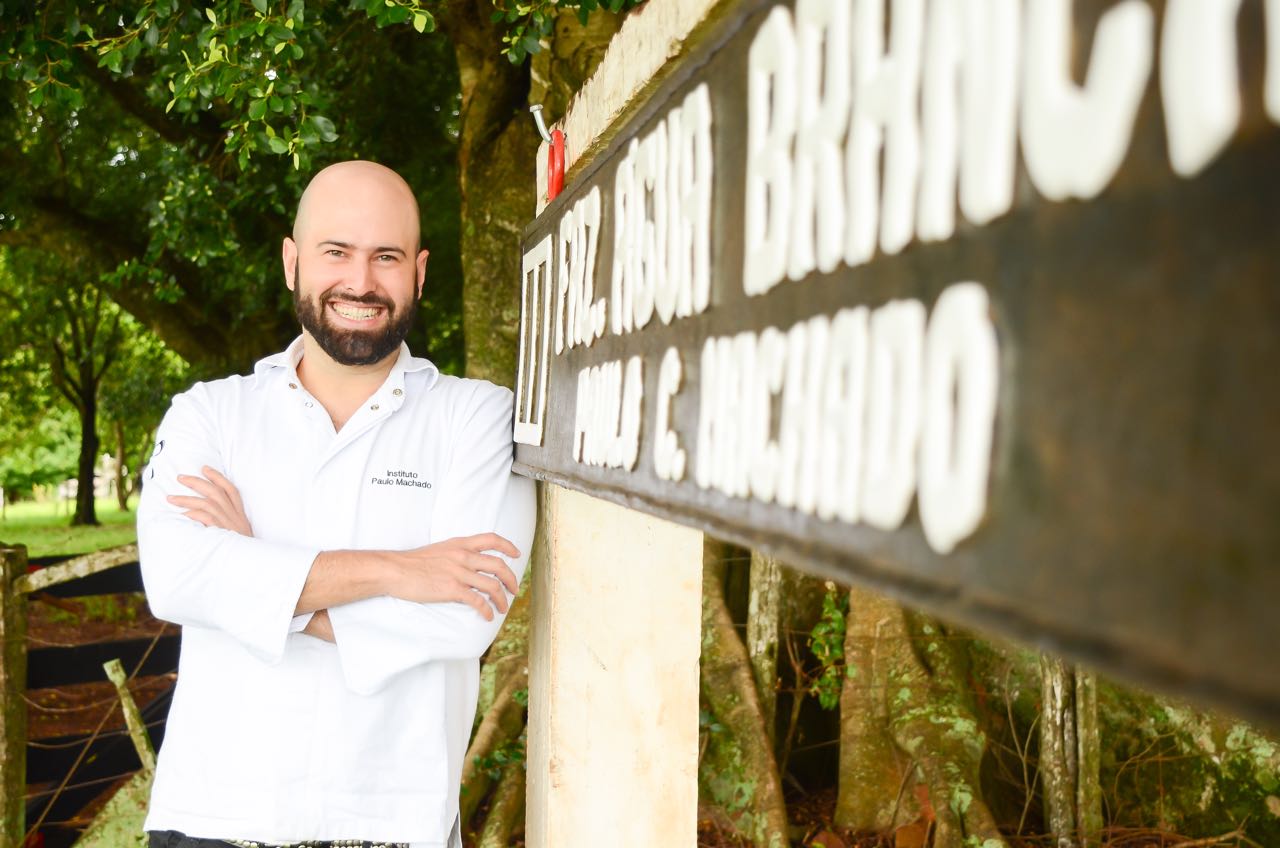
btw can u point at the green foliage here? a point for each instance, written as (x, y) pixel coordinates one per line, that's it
(171, 141)
(113, 609)
(511, 751)
(35, 451)
(826, 640)
(529, 22)
(1195, 771)
(136, 393)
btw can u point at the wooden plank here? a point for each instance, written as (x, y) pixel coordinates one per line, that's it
(1127, 487)
(613, 677)
(82, 566)
(59, 666)
(13, 683)
(122, 578)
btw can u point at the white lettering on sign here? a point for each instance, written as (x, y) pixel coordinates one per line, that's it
(771, 127)
(668, 456)
(834, 142)
(579, 320)
(962, 368)
(894, 372)
(535, 337)
(662, 220)
(969, 99)
(883, 120)
(1074, 138)
(817, 223)
(1273, 60)
(606, 427)
(1199, 78)
(875, 409)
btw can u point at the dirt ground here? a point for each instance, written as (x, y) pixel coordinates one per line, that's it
(58, 622)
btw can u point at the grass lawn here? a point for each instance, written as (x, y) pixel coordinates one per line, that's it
(45, 528)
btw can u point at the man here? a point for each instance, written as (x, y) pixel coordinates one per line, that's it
(339, 536)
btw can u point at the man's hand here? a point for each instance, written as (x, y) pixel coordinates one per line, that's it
(320, 626)
(219, 504)
(458, 570)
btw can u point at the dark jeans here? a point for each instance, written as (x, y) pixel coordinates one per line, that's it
(173, 839)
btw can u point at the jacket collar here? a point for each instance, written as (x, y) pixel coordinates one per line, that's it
(406, 363)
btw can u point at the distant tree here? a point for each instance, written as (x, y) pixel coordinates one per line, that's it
(38, 434)
(134, 397)
(48, 306)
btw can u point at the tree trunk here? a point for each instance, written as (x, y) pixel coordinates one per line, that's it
(910, 742)
(496, 147)
(1089, 755)
(506, 813)
(729, 688)
(503, 721)
(86, 513)
(122, 479)
(1069, 754)
(763, 617)
(933, 719)
(870, 795)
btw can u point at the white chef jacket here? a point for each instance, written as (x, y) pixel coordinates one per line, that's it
(277, 736)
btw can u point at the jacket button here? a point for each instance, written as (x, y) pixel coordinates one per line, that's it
(397, 392)
(293, 385)
(374, 407)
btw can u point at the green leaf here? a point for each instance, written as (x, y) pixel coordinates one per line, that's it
(325, 127)
(208, 13)
(421, 20)
(282, 45)
(257, 109)
(277, 105)
(261, 6)
(277, 145)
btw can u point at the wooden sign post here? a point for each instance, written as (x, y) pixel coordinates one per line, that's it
(949, 310)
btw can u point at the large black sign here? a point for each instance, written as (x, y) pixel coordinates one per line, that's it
(978, 304)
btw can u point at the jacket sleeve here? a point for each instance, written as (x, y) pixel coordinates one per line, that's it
(208, 577)
(381, 637)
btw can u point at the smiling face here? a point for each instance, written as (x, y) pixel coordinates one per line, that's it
(353, 263)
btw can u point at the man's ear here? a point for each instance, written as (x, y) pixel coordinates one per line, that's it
(289, 257)
(421, 264)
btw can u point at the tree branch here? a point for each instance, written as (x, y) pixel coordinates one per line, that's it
(205, 130)
(62, 377)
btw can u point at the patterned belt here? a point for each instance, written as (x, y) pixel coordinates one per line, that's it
(337, 843)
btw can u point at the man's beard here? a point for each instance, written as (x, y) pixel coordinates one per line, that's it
(351, 347)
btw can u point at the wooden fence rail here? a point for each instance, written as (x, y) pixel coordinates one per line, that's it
(15, 585)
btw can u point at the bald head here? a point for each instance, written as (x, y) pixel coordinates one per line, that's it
(344, 193)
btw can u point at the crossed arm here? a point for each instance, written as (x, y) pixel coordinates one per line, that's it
(450, 570)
